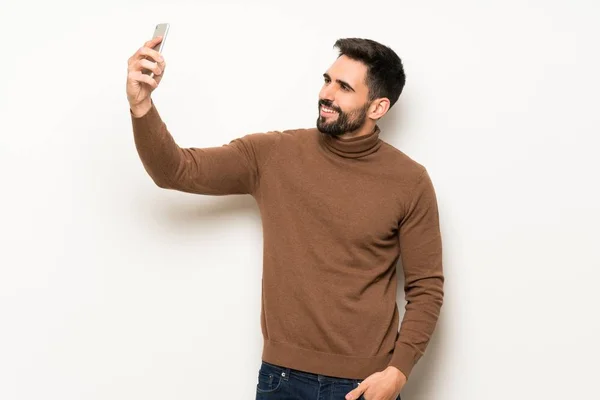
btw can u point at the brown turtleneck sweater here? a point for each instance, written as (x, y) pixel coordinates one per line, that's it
(336, 215)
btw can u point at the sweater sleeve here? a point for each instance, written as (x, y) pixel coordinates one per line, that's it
(421, 252)
(232, 168)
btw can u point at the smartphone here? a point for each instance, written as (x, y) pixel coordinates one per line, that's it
(159, 30)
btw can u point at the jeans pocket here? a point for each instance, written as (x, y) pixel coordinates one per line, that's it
(269, 379)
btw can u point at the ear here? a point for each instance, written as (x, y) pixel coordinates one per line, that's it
(379, 108)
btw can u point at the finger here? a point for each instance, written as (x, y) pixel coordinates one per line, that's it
(153, 42)
(163, 65)
(147, 51)
(355, 393)
(150, 81)
(150, 54)
(150, 66)
(146, 67)
(139, 77)
(162, 72)
(150, 48)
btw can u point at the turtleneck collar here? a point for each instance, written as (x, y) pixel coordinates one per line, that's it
(355, 147)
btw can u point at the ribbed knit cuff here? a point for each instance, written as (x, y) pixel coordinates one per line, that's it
(404, 358)
(151, 118)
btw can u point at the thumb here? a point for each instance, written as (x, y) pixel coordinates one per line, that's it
(356, 393)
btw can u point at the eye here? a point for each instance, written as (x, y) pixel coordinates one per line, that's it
(346, 88)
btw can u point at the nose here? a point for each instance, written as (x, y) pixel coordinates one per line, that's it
(328, 93)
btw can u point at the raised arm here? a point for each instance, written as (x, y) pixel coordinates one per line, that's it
(232, 168)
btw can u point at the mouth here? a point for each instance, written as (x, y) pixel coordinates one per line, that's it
(326, 111)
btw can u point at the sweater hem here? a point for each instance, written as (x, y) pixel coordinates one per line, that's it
(318, 362)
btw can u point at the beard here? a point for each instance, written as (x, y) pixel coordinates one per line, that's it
(344, 122)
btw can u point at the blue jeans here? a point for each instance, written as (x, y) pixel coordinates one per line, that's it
(282, 383)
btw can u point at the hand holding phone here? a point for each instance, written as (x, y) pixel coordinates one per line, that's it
(161, 30)
(145, 70)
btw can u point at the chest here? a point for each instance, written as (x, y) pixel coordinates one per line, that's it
(346, 201)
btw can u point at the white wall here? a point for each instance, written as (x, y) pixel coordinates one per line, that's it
(112, 288)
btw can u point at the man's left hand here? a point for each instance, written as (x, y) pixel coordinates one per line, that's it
(383, 385)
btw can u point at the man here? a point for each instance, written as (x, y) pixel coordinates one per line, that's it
(338, 206)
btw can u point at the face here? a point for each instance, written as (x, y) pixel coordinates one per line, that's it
(343, 99)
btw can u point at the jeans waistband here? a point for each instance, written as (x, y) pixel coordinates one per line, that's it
(286, 371)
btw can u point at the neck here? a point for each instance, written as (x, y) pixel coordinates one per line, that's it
(367, 128)
(363, 142)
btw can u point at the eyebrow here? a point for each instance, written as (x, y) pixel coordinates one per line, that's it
(341, 82)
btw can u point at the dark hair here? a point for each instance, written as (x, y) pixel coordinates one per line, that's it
(385, 74)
